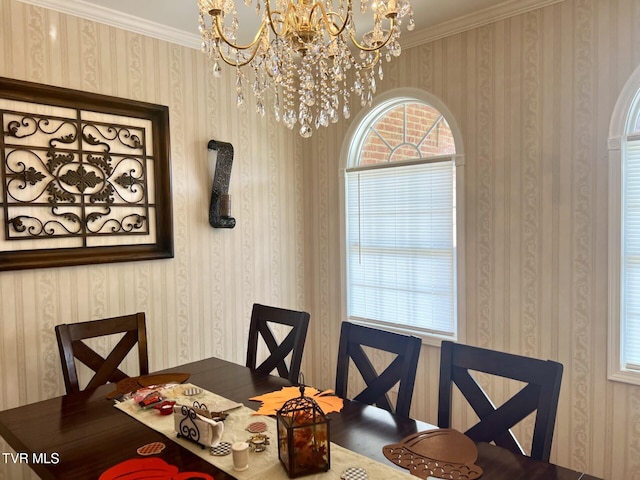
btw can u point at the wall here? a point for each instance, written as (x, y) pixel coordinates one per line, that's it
(533, 96)
(198, 304)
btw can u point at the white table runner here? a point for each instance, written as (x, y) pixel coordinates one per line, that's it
(262, 465)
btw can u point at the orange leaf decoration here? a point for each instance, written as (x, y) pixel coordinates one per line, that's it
(273, 401)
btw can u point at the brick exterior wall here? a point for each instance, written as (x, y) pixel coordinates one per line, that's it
(400, 135)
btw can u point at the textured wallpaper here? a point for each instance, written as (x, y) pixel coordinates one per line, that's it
(533, 96)
(198, 304)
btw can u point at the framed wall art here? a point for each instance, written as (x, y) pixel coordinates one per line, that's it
(85, 178)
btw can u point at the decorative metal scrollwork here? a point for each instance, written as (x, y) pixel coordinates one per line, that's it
(188, 427)
(85, 178)
(73, 177)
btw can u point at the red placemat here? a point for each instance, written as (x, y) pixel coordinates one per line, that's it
(156, 468)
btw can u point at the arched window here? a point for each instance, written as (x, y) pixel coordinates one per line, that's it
(401, 214)
(624, 235)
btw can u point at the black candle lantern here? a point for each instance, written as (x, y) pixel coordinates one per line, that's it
(303, 437)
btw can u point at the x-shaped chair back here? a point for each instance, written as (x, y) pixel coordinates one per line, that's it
(262, 317)
(540, 394)
(71, 346)
(401, 369)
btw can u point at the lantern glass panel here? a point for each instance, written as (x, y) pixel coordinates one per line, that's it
(303, 437)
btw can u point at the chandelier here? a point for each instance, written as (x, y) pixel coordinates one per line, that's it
(303, 51)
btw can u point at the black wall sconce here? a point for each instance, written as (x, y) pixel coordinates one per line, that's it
(220, 206)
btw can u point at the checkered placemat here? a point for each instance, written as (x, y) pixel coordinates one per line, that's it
(354, 473)
(222, 449)
(151, 448)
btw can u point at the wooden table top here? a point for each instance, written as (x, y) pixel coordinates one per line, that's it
(81, 435)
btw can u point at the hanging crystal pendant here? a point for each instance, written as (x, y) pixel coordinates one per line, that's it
(324, 119)
(291, 119)
(305, 131)
(217, 71)
(357, 87)
(333, 115)
(300, 58)
(276, 106)
(396, 50)
(309, 98)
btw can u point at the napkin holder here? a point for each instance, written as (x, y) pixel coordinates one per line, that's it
(195, 427)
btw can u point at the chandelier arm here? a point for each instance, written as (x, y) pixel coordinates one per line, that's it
(235, 63)
(332, 24)
(334, 30)
(327, 16)
(221, 35)
(272, 23)
(378, 46)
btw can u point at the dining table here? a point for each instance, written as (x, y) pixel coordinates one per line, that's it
(78, 436)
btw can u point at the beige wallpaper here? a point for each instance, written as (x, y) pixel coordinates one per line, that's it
(533, 96)
(198, 304)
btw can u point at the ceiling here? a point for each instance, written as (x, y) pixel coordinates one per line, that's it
(177, 20)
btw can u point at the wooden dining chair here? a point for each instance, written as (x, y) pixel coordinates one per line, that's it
(401, 369)
(70, 343)
(262, 318)
(540, 394)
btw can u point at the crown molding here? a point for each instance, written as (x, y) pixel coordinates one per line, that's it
(97, 13)
(90, 11)
(469, 22)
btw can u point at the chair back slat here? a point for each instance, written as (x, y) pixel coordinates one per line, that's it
(540, 394)
(262, 318)
(72, 348)
(402, 368)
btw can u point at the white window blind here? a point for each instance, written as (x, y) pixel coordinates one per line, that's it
(400, 231)
(631, 257)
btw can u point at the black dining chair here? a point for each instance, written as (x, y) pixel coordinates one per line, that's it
(262, 318)
(71, 346)
(540, 394)
(401, 369)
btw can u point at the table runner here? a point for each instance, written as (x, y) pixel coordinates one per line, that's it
(261, 464)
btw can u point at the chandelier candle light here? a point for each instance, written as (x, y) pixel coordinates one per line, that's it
(302, 51)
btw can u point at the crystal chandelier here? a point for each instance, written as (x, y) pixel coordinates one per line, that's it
(302, 51)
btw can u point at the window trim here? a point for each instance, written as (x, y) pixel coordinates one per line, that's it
(618, 128)
(350, 147)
